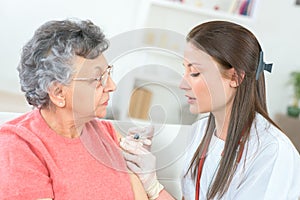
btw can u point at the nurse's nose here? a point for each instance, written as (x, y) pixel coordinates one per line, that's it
(184, 85)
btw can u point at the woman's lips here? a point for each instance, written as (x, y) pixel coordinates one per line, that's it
(105, 103)
(191, 100)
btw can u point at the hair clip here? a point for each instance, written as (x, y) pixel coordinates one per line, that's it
(262, 66)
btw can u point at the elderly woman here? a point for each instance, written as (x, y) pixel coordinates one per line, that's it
(59, 150)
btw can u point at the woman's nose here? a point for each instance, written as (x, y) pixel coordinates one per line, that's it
(110, 85)
(184, 85)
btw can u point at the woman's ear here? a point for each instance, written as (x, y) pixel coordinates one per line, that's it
(57, 95)
(236, 79)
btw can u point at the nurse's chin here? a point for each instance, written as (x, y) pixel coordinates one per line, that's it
(194, 111)
(198, 110)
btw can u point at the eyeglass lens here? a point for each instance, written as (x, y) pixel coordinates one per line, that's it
(104, 77)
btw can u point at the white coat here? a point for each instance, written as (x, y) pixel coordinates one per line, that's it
(269, 168)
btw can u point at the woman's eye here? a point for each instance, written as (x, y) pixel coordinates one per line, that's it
(195, 74)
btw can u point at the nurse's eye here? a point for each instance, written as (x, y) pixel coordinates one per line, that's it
(195, 74)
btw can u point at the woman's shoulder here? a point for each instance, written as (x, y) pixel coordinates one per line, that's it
(16, 119)
(104, 124)
(265, 138)
(269, 158)
(21, 124)
(107, 127)
(22, 134)
(269, 134)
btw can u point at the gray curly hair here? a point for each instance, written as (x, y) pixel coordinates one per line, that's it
(47, 56)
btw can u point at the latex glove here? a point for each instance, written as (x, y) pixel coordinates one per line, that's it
(143, 135)
(142, 162)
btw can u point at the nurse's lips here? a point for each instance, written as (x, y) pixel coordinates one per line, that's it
(191, 100)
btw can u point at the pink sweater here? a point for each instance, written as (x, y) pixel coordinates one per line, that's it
(35, 162)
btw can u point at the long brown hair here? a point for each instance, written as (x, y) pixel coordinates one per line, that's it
(232, 46)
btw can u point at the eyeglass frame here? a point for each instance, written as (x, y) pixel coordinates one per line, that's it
(100, 79)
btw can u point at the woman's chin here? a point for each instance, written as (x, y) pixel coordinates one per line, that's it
(194, 109)
(100, 113)
(198, 110)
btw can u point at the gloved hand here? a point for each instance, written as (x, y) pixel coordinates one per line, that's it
(142, 162)
(143, 135)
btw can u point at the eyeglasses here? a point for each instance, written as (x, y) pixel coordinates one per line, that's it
(101, 80)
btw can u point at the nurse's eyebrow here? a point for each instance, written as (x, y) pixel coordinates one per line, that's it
(191, 64)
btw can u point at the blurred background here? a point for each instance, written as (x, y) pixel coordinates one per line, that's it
(148, 78)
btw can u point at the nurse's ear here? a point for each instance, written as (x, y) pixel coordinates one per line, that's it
(236, 79)
(56, 94)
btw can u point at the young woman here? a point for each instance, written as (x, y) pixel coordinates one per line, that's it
(238, 152)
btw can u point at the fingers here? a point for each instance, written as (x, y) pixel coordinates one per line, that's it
(147, 142)
(133, 147)
(133, 167)
(132, 158)
(134, 130)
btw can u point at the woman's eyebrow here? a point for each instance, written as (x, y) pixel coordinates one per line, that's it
(95, 70)
(196, 64)
(192, 64)
(97, 67)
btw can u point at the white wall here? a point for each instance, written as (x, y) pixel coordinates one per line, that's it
(275, 23)
(19, 19)
(276, 26)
